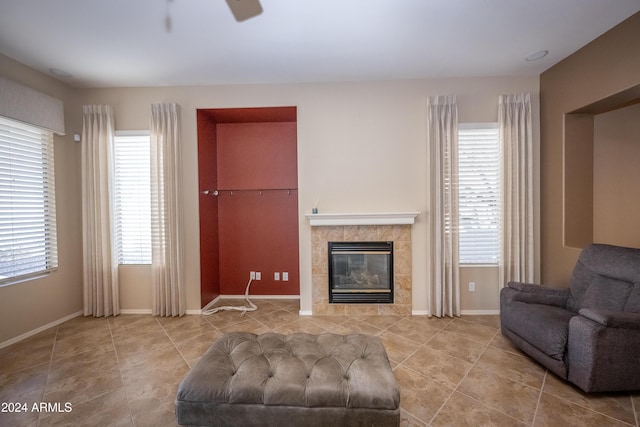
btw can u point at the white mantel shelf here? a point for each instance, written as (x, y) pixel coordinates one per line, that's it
(380, 218)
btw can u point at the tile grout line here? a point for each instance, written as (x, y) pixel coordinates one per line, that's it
(570, 402)
(585, 407)
(454, 389)
(595, 411)
(174, 344)
(475, 363)
(124, 387)
(257, 319)
(424, 345)
(414, 416)
(46, 381)
(535, 412)
(419, 346)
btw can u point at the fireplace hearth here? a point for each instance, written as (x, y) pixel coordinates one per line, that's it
(360, 272)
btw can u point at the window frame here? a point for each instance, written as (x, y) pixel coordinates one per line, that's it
(120, 250)
(24, 134)
(496, 253)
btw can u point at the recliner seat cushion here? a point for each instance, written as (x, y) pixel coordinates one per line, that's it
(545, 327)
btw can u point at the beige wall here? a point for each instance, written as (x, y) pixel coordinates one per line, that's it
(29, 305)
(604, 67)
(346, 132)
(485, 299)
(578, 180)
(616, 177)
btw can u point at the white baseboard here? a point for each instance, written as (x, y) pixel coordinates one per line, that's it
(40, 329)
(305, 313)
(419, 313)
(135, 311)
(215, 300)
(463, 312)
(479, 312)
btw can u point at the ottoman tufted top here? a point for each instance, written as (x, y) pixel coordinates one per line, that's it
(303, 370)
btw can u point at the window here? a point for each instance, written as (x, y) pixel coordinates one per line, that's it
(133, 197)
(28, 241)
(479, 193)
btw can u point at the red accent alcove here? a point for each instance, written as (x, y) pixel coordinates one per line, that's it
(249, 155)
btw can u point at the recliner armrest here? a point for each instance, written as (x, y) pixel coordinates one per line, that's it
(612, 319)
(537, 294)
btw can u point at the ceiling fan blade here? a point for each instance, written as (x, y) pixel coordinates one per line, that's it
(244, 9)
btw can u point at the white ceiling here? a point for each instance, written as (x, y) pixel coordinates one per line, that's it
(111, 43)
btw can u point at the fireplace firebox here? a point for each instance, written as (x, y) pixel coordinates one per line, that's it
(361, 272)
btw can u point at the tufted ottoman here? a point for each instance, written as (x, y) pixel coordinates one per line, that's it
(296, 380)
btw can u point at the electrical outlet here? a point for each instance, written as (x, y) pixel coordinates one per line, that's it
(252, 275)
(285, 276)
(472, 286)
(276, 276)
(258, 275)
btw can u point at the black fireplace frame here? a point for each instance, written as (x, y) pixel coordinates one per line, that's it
(368, 296)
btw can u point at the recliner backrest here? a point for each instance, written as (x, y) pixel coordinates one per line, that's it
(606, 277)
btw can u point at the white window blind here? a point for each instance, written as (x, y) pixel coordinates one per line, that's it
(28, 241)
(479, 193)
(133, 197)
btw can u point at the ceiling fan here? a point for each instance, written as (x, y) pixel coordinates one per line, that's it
(241, 10)
(244, 9)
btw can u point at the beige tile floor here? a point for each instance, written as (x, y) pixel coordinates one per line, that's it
(124, 371)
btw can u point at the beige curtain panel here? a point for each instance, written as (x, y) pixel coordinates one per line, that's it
(516, 139)
(167, 246)
(442, 140)
(100, 266)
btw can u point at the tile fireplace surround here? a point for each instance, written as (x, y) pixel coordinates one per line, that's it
(395, 227)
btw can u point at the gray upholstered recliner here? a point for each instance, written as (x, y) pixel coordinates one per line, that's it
(588, 334)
